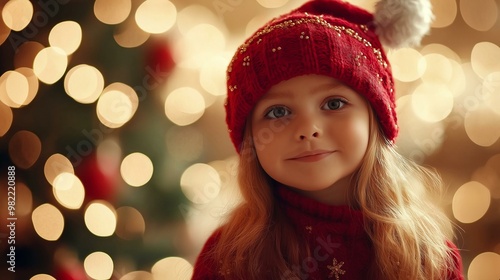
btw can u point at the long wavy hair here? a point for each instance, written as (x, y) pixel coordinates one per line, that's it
(409, 232)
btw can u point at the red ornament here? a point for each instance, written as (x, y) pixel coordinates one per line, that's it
(159, 63)
(70, 273)
(99, 176)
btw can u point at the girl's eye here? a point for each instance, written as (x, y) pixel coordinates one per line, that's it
(334, 104)
(277, 112)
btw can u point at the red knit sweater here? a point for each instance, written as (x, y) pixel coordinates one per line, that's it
(340, 248)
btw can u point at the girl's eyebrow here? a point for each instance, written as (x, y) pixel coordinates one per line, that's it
(272, 95)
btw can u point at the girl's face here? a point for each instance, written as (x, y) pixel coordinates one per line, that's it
(311, 133)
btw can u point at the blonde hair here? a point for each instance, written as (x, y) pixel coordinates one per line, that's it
(408, 231)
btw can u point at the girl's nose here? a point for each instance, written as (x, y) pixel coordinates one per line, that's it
(307, 128)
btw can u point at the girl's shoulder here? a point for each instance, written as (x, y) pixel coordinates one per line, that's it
(206, 267)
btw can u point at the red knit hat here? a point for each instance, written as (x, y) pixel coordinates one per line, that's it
(325, 37)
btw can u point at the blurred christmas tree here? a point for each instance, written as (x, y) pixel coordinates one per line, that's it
(137, 220)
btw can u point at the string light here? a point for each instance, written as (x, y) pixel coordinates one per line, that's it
(484, 267)
(156, 16)
(99, 265)
(84, 83)
(67, 36)
(48, 222)
(116, 105)
(470, 202)
(407, 64)
(112, 11)
(184, 106)
(200, 183)
(24, 148)
(50, 64)
(26, 53)
(479, 14)
(100, 218)
(272, 3)
(130, 223)
(445, 12)
(6, 118)
(17, 14)
(136, 169)
(68, 190)
(172, 268)
(55, 165)
(485, 58)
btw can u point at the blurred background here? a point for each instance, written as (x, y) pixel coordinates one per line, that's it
(112, 115)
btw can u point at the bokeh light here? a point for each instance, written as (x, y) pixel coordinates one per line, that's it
(489, 176)
(418, 139)
(68, 190)
(100, 218)
(6, 118)
(50, 64)
(138, 275)
(445, 12)
(184, 106)
(199, 44)
(172, 268)
(24, 148)
(194, 15)
(272, 3)
(14, 89)
(407, 64)
(130, 223)
(470, 202)
(4, 30)
(32, 84)
(48, 222)
(491, 91)
(479, 14)
(136, 169)
(485, 267)
(440, 49)
(109, 154)
(482, 125)
(84, 83)
(255, 23)
(26, 53)
(156, 16)
(17, 14)
(129, 35)
(438, 70)
(200, 183)
(117, 105)
(485, 58)
(112, 11)
(42, 277)
(99, 265)
(67, 36)
(55, 165)
(432, 102)
(213, 75)
(24, 199)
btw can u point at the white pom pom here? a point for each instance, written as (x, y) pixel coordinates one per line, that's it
(402, 23)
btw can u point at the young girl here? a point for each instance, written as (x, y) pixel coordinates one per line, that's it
(311, 112)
